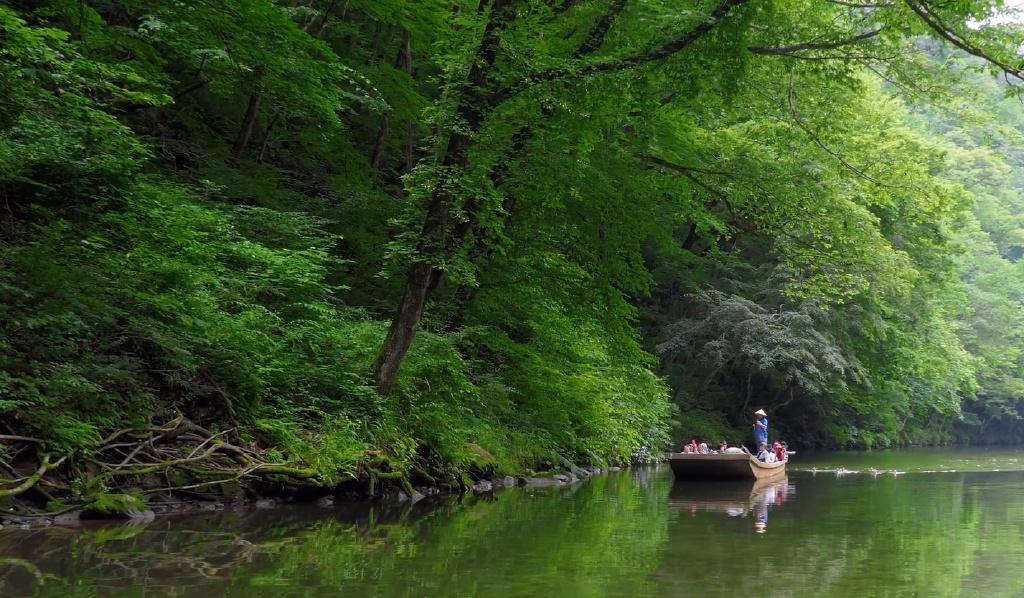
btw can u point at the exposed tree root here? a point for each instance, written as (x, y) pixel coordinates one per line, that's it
(31, 480)
(399, 476)
(379, 468)
(177, 456)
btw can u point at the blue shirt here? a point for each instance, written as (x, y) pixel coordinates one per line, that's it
(762, 433)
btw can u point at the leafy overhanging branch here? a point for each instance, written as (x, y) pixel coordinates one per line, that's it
(620, 64)
(803, 126)
(794, 49)
(935, 22)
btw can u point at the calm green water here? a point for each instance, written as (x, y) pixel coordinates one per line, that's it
(879, 532)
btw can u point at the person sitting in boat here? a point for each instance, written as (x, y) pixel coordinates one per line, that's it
(703, 449)
(722, 445)
(761, 427)
(779, 450)
(687, 448)
(763, 453)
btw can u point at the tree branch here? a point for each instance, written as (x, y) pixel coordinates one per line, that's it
(681, 167)
(793, 49)
(596, 36)
(560, 7)
(935, 22)
(817, 141)
(688, 172)
(620, 64)
(862, 4)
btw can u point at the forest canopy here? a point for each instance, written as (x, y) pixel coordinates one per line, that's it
(433, 241)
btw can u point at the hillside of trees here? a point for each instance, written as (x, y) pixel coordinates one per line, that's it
(316, 242)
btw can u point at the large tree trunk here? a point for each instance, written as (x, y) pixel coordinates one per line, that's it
(321, 23)
(463, 296)
(266, 136)
(403, 326)
(324, 21)
(479, 95)
(381, 144)
(404, 61)
(409, 148)
(404, 58)
(378, 157)
(245, 132)
(436, 238)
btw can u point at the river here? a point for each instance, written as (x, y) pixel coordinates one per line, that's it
(919, 522)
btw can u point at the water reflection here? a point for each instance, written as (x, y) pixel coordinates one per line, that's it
(174, 555)
(733, 498)
(607, 533)
(632, 534)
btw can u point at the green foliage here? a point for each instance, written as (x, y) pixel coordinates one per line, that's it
(56, 129)
(115, 504)
(207, 209)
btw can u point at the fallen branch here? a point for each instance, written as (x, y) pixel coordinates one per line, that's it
(15, 438)
(793, 50)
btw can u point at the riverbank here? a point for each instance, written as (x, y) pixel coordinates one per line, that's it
(128, 507)
(212, 457)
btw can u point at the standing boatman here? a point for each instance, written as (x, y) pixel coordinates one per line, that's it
(760, 427)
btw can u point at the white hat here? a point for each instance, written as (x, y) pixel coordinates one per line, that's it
(760, 412)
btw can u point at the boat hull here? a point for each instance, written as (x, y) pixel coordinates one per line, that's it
(689, 466)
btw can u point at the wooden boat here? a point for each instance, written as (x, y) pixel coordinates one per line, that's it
(692, 466)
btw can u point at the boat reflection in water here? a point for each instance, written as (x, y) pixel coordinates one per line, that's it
(733, 498)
